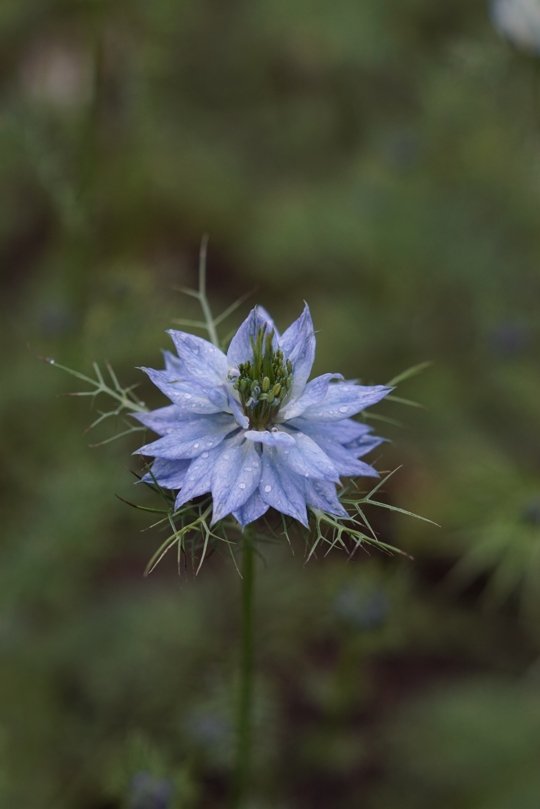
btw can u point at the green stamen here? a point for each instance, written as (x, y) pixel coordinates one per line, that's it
(261, 400)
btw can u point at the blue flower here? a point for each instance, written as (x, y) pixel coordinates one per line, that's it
(519, 21)
(249, 428)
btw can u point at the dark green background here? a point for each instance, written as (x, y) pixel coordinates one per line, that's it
(380, 160)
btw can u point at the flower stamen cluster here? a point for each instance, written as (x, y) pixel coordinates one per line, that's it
(264, 381)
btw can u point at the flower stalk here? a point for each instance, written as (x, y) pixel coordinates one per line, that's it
(245, 696)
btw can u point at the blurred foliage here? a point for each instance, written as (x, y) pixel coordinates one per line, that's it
(381, 160)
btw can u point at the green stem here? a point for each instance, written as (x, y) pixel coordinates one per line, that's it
(245, 701)
(203, 300)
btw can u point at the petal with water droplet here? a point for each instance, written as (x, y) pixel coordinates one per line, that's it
(281, 488)
(232, 483)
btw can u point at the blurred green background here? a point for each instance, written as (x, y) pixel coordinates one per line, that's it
(381, 160)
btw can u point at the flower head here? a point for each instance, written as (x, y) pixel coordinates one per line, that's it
(249, 428)
(519, 21)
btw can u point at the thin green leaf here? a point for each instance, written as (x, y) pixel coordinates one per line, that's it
(409, 373)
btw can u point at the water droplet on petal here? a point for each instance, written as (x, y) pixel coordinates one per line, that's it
(343, 409)
(267, 488)
(187, 395)
(196, 446)
(241, 485)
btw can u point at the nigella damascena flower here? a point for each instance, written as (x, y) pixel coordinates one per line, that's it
(519, 21)
(248, 427)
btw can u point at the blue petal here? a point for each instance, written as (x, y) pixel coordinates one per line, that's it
(307, 459)
(363, 445)
(236, 476)
(344, 400)
(252, 509)
(202, 360)
(198, 478)
(173, 364)
(189, 396)
(266, 316)
(344, 459)
(191, 437)
(272, 438)
(282, 489)
(344, 431)
(168, 474)
(161, 420)
(240, 349)
(298, 345)
(236, 409)
(321, 494)
(313, 393)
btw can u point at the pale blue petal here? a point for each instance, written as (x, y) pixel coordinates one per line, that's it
(344, 400)
(266, 316)
(236, 476)
(236, 409)
(343, 432)
(364, 445)
(173, 364)
(201, 359)
(191, 437)
(252, 509)
(345, 461)
(307, 459)
(365, 470)
(272, 438)
(313, 393)
(321, 494)
(198, 478)
(298, 345)
(161, 421)
(240, 349)
(282, 489)
(168, 474)
(189, 396)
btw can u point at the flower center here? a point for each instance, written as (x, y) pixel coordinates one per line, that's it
(264, 381)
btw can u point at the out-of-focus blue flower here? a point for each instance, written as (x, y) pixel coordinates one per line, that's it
(149, 792)
(248, 427)
(509, 339)
(531, 513)
(518, 21)
(362, 610)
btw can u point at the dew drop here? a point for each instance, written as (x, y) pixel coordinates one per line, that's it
(343, 409)
(268, 488)
(187, 395)
(241, 485)
(196, 446)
